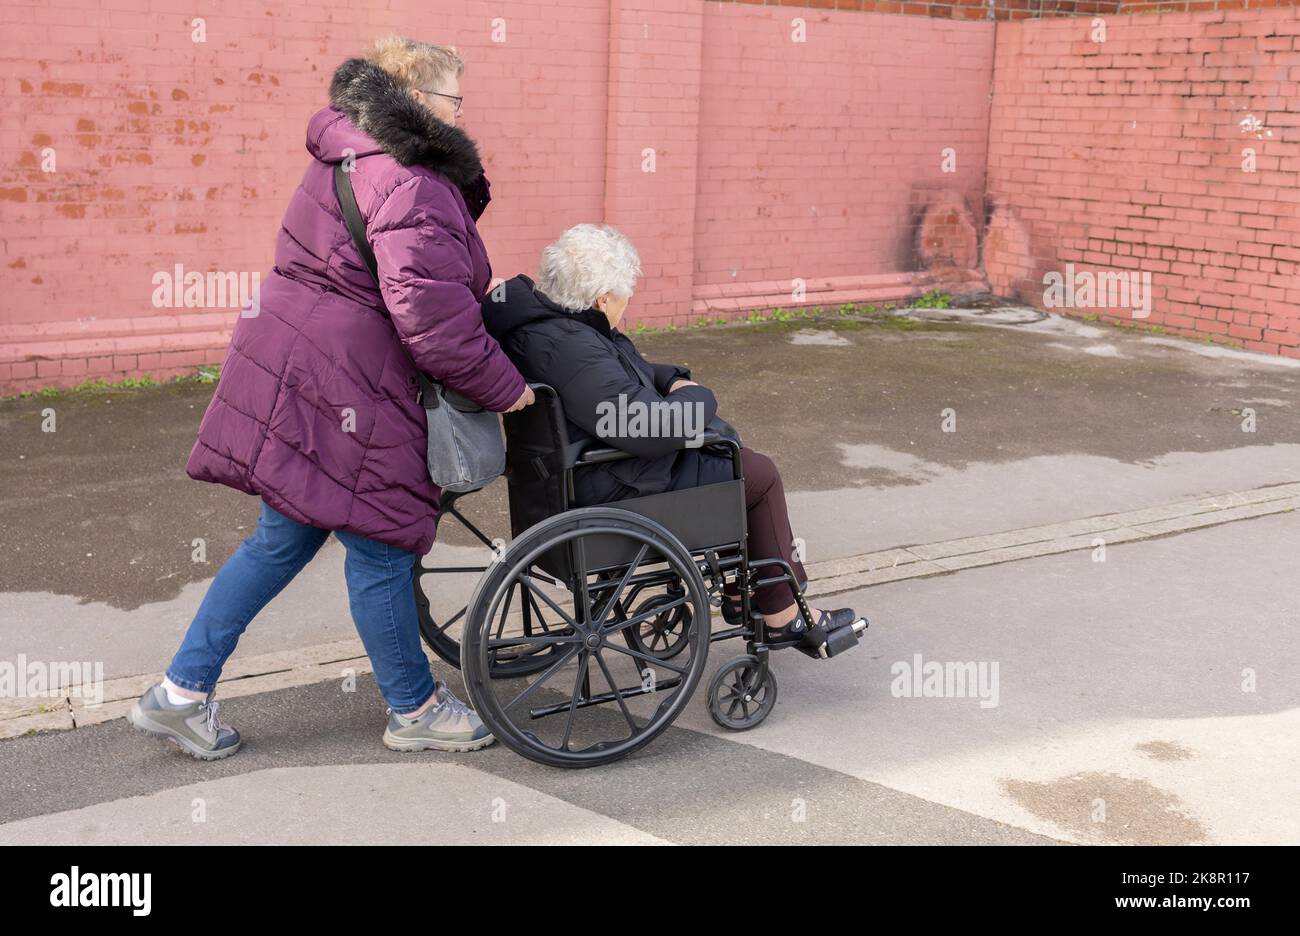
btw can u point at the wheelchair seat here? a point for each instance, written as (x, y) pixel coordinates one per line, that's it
(540, 461)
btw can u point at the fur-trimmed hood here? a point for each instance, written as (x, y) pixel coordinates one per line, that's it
(379, 106)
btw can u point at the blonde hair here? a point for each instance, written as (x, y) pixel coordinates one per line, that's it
(416, 64)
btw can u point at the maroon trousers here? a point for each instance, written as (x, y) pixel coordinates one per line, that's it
(769, 531)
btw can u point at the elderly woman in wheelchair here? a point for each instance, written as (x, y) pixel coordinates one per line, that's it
(626, 492)
(563, 331)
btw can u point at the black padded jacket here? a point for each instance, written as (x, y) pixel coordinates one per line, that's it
(588, 363)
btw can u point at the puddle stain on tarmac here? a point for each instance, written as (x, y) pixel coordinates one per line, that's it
(1164, 750)
(1106, 808)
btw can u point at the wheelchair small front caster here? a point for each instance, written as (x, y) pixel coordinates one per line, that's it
(742, 693)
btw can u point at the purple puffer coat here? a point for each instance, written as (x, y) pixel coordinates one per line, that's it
(316, 408)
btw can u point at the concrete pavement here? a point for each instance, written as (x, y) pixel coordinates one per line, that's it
(1120, 717)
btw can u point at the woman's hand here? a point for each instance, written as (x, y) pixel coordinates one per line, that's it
(681, 382)
(528, 399)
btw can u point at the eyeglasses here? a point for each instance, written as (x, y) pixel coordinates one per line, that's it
(450, 97)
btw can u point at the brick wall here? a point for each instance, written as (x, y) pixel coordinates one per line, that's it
(1199, 6)
(169, 151)
(127, 148)
(957, 9)
(165, 150)
(1019, 9)
(651, 148)
(818, 156)
(1129, 155)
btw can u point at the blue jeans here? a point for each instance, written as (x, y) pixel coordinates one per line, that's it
(380, 593)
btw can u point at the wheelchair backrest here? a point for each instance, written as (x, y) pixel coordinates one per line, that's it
(536, 439)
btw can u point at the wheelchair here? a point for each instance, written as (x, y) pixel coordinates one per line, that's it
(585, 637)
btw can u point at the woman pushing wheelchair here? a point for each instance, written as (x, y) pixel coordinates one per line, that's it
(318, 412)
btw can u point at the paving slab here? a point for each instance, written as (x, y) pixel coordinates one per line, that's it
(349, 804)
(1164, 681)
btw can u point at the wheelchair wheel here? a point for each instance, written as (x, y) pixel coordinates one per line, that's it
(597, 699)
(442, 592)
(662, 636)
(742, 693)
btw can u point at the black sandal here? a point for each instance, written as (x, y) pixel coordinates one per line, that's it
(798, 629)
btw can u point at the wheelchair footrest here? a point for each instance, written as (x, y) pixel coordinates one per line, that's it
(823, 645)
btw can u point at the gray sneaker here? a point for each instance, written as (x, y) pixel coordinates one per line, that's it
(447, 725)
(194, 728)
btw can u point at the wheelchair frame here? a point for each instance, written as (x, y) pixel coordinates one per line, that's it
(700, 534)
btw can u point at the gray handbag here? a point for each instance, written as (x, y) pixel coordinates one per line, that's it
(466, 450)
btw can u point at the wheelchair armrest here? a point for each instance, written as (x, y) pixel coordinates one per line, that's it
(599, 455)
(733, 447)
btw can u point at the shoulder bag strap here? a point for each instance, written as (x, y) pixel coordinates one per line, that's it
(429, 395)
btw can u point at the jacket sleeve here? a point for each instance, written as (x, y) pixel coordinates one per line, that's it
(421, 246)
(665, 374)
(590, 379)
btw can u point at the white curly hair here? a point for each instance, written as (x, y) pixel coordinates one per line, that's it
(588, 261)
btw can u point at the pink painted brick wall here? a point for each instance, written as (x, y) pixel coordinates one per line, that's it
(1128, 155)
(650, 155)
(817, 156)
(170, 151)
(770, 159)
